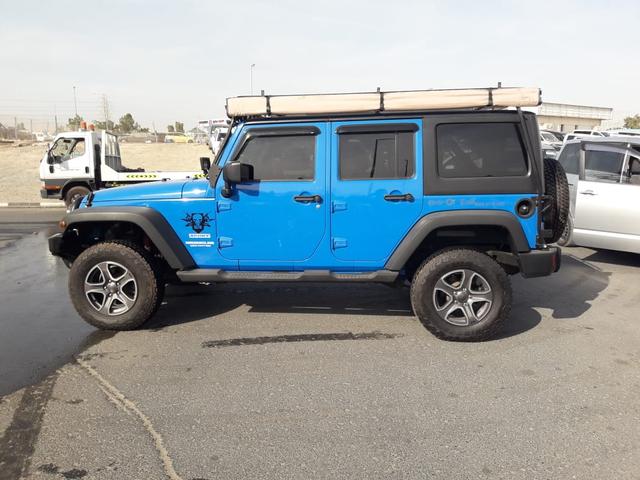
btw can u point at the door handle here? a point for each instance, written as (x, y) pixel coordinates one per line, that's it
(308, 198)
(588, 192)
(407, 197)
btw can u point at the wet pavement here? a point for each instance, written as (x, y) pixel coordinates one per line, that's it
(319, 381)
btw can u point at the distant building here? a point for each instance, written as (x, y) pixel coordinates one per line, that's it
(567, 118)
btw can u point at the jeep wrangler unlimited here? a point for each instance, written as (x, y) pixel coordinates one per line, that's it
(444, 190)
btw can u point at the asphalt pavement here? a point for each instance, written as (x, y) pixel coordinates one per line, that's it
(317, 381)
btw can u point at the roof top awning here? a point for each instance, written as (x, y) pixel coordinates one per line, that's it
(382, 102)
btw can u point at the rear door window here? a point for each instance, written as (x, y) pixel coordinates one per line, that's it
(380, 155)
(603, 166)
(480, 150)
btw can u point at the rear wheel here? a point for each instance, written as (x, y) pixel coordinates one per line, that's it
(462, 295)
(73, 194)
(114, 286)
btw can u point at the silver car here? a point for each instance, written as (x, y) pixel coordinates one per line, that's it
(604, 184)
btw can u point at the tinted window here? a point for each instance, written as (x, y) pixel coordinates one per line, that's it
(280, 158)
(601, 166)
(376, 155)
(570, 158)
(480, 150)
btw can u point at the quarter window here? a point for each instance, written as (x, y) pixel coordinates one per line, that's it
(290, 157)
(480, 150)
(379, 155)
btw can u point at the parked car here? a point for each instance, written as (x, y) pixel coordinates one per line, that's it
(604, 185)
(177, 138)
(584, 133)
(450, 201)
(558, 135)
(550, 145)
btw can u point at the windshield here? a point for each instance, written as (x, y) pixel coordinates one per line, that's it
(547, 137)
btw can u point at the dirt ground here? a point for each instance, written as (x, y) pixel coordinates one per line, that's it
(19, 166)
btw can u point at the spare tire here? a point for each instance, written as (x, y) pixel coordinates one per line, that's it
(557, 210)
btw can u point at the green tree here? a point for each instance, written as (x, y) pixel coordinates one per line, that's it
(180, 127)
(170, 129)
(632, 122)
(74, 122)
(108, 125)
(128, 124)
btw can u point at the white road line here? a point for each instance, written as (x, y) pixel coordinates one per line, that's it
(118, 397)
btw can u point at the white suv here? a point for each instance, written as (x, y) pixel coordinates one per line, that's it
(604, 186)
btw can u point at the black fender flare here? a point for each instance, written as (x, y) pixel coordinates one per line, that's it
(456, 218)
(152, 223)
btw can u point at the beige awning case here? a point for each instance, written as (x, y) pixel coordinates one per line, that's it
(380, 102)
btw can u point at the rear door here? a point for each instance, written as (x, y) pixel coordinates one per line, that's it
(376, 187)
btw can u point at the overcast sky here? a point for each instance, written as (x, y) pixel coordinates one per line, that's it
(179, 60)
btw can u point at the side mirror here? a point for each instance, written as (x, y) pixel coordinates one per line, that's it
(205, 164)
(50, 159)
(234, 173)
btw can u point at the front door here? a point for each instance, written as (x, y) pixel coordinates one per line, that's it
(605, 201)
(278, 219)
(70, 157)
(376, 187)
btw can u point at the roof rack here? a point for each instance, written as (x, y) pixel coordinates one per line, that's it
(382, 102)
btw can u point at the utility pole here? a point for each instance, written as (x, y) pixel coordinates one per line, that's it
(15, 127)
(105, 111)
(153, 124)
(31, 126)
(75, 102)
(251, 76)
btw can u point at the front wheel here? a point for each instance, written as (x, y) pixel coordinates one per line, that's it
(73, 194)
(113, 286)
(461, 295)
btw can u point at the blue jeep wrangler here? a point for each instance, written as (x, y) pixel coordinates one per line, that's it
(449, 201)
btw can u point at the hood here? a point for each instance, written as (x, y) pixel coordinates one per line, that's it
(161, 190)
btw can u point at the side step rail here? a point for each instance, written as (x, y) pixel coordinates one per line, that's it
(218, 275)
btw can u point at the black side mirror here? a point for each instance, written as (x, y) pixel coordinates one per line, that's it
(205, 164)
(234, 173)
(50, 159)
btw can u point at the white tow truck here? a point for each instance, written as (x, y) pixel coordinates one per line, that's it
(79, 162)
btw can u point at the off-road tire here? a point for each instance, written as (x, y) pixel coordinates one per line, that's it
(557, 187)
(439, 264)
(566, 239)
(150, 286)
(72, 194)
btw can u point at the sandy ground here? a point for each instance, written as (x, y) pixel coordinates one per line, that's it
(19, 166)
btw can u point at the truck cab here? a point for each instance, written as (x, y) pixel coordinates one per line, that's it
(77, 163)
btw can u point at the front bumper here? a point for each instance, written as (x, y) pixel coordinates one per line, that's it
(540, 263)
(50, 193)
(55, 244)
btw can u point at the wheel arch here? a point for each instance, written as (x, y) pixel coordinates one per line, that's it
(148, 220)
(505, 224)
(74, 183)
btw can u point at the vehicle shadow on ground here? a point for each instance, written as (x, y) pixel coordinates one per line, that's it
(189, 303)
(567, 294)
(613, 257)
